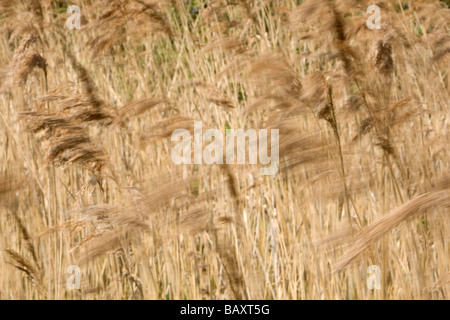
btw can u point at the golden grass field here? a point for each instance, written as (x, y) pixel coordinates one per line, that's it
(87, 179)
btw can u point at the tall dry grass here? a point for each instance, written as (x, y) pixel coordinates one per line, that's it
(86, 176)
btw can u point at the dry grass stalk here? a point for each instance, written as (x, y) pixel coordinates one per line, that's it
(439, 197)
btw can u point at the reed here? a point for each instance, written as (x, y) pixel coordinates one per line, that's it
(86, 176)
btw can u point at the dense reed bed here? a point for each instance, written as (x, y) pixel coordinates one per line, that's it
(87, 179)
